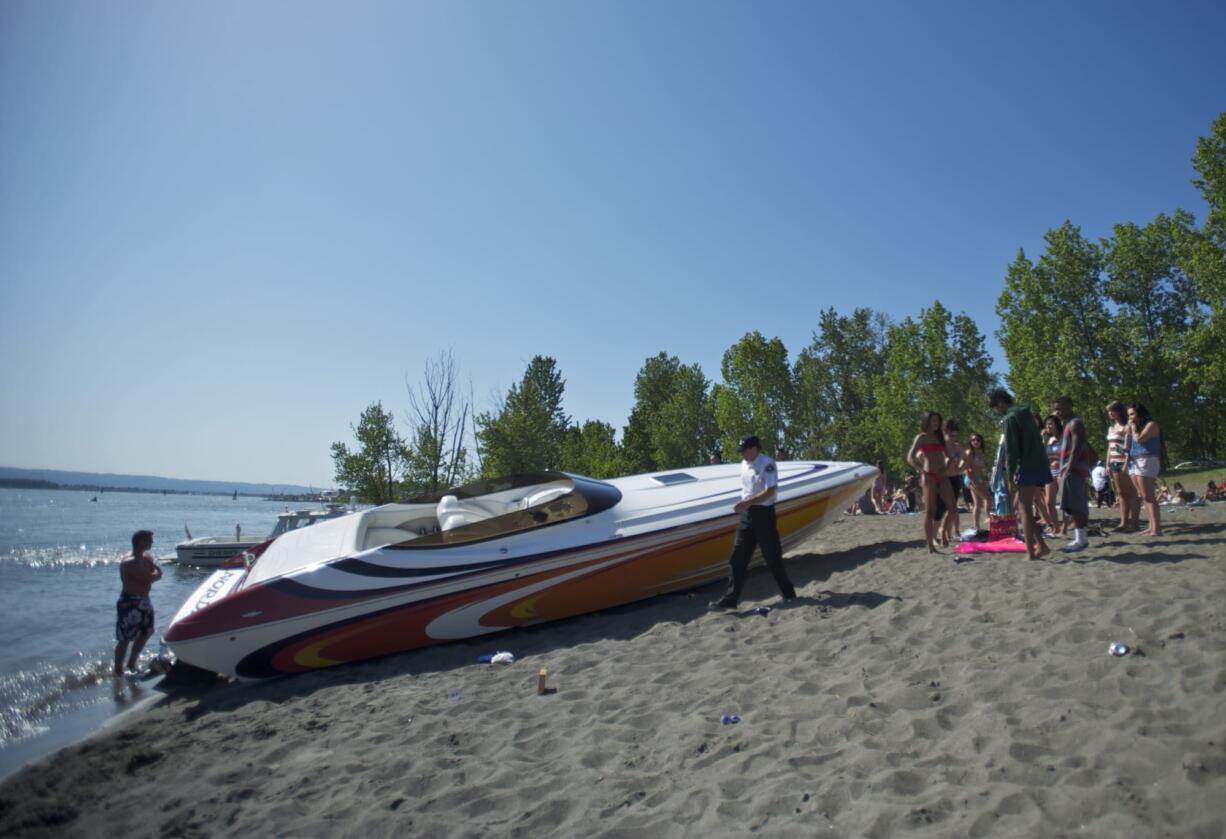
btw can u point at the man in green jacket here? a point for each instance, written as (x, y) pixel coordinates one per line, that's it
(1026, 464)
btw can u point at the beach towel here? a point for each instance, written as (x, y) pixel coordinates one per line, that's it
(1012, 545)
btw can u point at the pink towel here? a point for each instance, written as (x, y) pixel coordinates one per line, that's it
(1012, 545)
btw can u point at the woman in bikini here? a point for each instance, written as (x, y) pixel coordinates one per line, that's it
(1053, 428)
(927, 455)
(952, 526)
(1117, 467)
(974, 462)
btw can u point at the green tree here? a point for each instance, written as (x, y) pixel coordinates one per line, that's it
(835, 385)
(592, 450)
(938, 363)
(957, 367)
(901, 397)
(527, 430)
(1209, 161)
(1155, 307)
(373, 471)
(1203, 357)
(1055, 327)
(671, 424)
(756, 394)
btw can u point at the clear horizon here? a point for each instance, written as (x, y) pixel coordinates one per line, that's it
(227, 229)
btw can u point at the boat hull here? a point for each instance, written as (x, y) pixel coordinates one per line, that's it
(206, 553)
(281, 626)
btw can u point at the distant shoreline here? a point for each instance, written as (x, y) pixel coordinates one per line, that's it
(115, 482)
(31, 483)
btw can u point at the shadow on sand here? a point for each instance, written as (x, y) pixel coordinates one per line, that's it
(203, 693)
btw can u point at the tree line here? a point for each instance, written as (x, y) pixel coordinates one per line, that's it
(1138, 316)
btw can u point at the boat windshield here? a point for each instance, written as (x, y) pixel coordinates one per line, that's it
(303, 518)
(502, 506)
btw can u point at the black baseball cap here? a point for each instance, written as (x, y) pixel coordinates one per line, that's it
(750, 442)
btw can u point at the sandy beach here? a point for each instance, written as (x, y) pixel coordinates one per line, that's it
(902, 694)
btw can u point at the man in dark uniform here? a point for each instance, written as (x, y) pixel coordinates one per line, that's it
(759, 478)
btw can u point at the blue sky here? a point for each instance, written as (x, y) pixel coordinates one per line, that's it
(226, 228)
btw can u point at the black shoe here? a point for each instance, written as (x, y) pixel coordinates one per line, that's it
(723, 603)
(790, 594)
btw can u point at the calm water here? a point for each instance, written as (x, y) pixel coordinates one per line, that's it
(59, 578)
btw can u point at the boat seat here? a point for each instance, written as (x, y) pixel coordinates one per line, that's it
(544, 496)
(453, 513)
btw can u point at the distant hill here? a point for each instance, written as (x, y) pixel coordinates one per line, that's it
(147, 483)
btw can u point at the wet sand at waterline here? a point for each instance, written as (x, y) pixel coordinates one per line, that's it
(901, 694)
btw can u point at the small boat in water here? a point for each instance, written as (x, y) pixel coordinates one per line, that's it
(482, 558)
(212, 551)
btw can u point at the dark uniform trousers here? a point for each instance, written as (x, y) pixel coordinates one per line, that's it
(757, 529)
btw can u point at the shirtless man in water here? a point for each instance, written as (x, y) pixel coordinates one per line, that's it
(134, 623)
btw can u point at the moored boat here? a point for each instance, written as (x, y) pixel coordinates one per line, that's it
(482, 558)
(212, 551)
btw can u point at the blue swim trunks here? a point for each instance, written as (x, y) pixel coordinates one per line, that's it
(135, 617)
(1034, 478)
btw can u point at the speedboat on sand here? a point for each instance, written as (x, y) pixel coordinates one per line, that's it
(481, 558)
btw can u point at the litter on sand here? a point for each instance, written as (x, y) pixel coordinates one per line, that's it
(500, 657)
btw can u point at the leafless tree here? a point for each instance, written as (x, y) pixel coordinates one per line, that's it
(441, 419)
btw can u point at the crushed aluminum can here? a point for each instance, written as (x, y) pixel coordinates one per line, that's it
(729, 719)
(1118, 649)
(762, 610)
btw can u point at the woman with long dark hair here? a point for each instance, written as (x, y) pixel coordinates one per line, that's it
(952, 526)
(1117, 468)
(927, 455)
(975, 461)
(1053, 428)
(1145, 461)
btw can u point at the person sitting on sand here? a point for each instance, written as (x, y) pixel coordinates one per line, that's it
(134, 623)
(910, 487)
(1026, 464)
(1179, 495)
(899, 506)
(1098, 480)
(866, 506)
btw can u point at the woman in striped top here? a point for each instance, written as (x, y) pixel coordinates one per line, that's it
(1117, 462)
